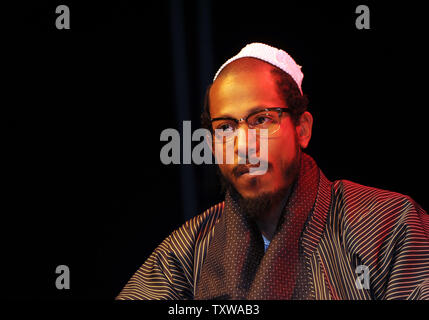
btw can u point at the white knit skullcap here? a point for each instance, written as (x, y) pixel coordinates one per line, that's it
(279, 58)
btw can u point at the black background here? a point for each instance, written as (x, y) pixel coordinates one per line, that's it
(83, 184)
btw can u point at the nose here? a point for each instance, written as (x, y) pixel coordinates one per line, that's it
(246, 144)
(240, 146)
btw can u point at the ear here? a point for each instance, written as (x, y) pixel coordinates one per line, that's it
(303, 129)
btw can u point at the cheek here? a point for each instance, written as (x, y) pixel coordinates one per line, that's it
(282, 150)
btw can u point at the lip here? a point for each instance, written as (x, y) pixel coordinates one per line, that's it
(242, 170)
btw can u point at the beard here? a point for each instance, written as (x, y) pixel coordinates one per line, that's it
(255, 207)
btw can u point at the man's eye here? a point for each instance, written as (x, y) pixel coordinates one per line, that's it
(261, 120)
(225, 127)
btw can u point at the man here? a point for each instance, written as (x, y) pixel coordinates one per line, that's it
(289, 233)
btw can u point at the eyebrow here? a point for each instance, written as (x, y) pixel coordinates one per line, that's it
(227, 116)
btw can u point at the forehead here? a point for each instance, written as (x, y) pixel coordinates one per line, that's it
(242, 86)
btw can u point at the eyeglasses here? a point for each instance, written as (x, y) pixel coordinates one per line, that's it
(268, 118)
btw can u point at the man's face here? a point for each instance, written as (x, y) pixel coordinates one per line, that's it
(237, 93)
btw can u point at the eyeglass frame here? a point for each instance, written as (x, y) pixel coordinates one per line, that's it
(237, 121)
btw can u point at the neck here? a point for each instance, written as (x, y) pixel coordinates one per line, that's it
(267, 223)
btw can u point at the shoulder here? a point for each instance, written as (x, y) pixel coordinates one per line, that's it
(361, 195)
(197, 228)
(360, 205)
(178, 248)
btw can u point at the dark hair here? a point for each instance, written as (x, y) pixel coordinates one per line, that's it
(287, 89)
